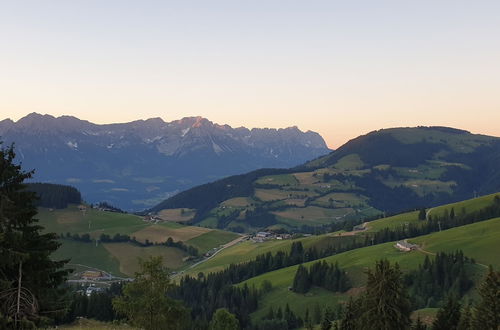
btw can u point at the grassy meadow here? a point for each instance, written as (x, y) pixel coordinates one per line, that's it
(121, 259)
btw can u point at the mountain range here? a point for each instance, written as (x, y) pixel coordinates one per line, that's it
(137, 164)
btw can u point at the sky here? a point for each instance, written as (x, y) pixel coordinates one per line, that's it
(340, 68)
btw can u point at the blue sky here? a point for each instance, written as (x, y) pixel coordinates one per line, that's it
(341, 68)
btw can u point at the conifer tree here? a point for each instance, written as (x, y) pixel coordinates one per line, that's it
(350, 316)
(316, 317)
(301, 282)
(385, 301)
(29, 280)
(465, 319)
(270, 313)
(487, 312)
(422, 214)
(448, 316)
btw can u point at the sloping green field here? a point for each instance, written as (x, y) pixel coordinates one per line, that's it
(211, 239)
(479, 241)
(87, 254)
(91, 221)
(123, 260)
(468, 206)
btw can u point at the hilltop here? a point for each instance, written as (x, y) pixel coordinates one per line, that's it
(383, 172)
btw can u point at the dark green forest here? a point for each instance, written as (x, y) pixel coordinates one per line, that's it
(54, 196)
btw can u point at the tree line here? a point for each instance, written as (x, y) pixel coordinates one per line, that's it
(321, 274)
(436, 278)
(55, 196)
(121, 238)
(385, 304)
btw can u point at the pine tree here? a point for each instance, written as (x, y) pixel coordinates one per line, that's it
(270, 314)
(465, 319)
(448, 316)
(301, 283)
(279, 313)
(316, 318)
(26, 268)
(385, 302)
(487, 312)
(350, 316)
(422, 214)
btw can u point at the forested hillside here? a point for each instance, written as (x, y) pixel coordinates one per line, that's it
(383, 172)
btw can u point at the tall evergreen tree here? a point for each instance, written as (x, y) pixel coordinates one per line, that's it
(448, 316)
(465, 319)
(301, 283)
(26, 269)
(385, 302)
(316, 317)
(350, 316)
(487, 312)
(326, 323)
(422, 214)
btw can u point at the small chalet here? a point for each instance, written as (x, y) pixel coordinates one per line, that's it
(405, 246)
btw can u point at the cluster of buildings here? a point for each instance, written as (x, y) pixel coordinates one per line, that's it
(263, 236)
(152, 218)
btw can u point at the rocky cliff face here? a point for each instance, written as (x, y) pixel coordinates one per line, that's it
(133, 165)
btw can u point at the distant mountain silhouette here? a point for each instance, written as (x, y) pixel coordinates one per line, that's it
(135, 165)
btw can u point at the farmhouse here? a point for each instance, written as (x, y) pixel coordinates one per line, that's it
(92, 275)
(263, 234)
(405, 246)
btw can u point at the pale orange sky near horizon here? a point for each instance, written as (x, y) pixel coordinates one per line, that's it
(340, 69)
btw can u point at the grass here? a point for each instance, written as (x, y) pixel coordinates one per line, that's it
(177, 215)
(394, 221)
(238, 202)
(305, 178)
(479, 240)
(91, 221)
(341, 200)
(349, 162)
(128, 256)
(470, 205)
(159, 233)
(87, 324)
(121, 258)
(87, 254)
(313, 214)
(211, 239)
(241, 252)
(281, 179)
(460, 142)
(427, 315)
